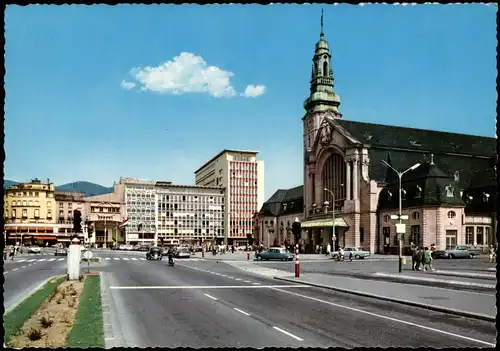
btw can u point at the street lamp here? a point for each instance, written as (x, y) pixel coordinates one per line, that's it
(400, 227)
(333, 215)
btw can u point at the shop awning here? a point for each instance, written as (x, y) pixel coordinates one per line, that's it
(317, 223)
(45, 237)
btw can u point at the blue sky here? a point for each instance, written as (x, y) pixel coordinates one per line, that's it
(75, 109)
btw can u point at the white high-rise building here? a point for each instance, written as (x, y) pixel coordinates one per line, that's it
(242, 175)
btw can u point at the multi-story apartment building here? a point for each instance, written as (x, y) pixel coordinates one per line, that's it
(242, 175)
(30, 213)
(189, 214)
(67, 205)
(140, 209)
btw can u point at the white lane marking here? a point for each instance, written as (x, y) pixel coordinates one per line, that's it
(23, 267)
(21, 260)
(240, 311)
(256, 283)
(107, 258)
(15, 269)
(51, 259)
(246, 281)
(134, 259)
(42, 259)
(213, 298)
(207, 287)
(32, 260)
(125, 258)
(388, 318)
(289, 334)
(142, 259)
(60, 259)
(116, 258)
(238, 279)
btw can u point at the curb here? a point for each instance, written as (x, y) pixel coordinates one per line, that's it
(455, 283)
(31, 292)
(416, 281)
(400, 301)
(467, 275)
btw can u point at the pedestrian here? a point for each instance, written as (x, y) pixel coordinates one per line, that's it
(427, 260)
(328, 250)
(341, 253)
(350, 256)
(317, 249)
(413, 248)
(492, 253)
(11, 252)
(232, 248)
(420, 258)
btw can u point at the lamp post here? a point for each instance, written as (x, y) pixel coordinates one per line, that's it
(400, 227)
(333, 215)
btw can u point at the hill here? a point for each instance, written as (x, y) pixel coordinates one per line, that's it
(88, 188)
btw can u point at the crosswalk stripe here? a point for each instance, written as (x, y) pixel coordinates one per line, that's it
(31, 260)
(42, 259)
(107, 258)
(134, 258)
(116, 258)
(125, 258)
(60, 259)
(142, 259)
(51, 259)
(21, 260)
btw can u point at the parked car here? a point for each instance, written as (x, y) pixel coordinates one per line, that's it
(183, 253)
(474, 251)
(453, 252)
(274, 253)
(61, 251)
(34, 249)
(357, 253)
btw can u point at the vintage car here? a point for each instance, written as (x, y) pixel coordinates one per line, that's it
(154, 253)
(453, 252)
(61, 251)
(182, 253)
(34, 249)
(274, 253)
(357, 253)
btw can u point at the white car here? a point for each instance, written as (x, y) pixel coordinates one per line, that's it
(34, 249)
(357, 253)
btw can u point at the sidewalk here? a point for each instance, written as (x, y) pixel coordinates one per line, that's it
(430, 278)
(462, 303)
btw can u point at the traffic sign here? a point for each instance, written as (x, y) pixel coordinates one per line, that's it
(88, 255)
(400, 228)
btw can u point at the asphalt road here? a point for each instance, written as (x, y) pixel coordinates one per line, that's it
(22, 276)
(210, 304)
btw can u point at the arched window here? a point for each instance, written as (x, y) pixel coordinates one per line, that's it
(325, 68)
(451, 214)
(333, 178)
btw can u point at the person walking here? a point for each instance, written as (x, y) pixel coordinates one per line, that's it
(414, 257)
(341, 253)
(427, 260)
(420, 258)
(492, 254)
(328, 250)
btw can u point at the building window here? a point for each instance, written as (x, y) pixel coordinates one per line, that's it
(389, 195)
(37, 213)
(24, 203)
(415, 234)
(469, 235)
(386, 218)
(451, 214)
(61, 205)
(49, 203)
(13, 213)
(451, 238)
(49, 214)
(415, 215)
(25, 213)
(479, 236)
(361, 235)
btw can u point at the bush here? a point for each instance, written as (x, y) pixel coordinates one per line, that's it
(45, 322)
(34, 334)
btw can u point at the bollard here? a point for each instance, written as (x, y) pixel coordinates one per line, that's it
(297, 264)
(74, 257)
(248, 254)
(202, 252)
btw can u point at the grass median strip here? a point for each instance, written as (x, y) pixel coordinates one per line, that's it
(15, 319)
(88, 329)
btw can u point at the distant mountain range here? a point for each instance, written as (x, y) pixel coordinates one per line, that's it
(87, 188)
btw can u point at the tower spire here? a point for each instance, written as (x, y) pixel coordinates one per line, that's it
(321, 35)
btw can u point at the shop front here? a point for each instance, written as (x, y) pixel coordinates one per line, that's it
(318, 232)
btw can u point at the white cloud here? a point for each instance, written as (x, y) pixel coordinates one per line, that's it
(186, 73)
(127, 85)
(254, 90)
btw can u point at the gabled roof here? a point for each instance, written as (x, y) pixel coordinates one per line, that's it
(404, 147)
(284, 201)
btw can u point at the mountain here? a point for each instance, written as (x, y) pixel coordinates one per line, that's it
(89, 189)
(7, 183)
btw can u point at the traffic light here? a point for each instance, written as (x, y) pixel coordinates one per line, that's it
(250, 239)
(296, 231)
(90, 230)
(77, 221)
